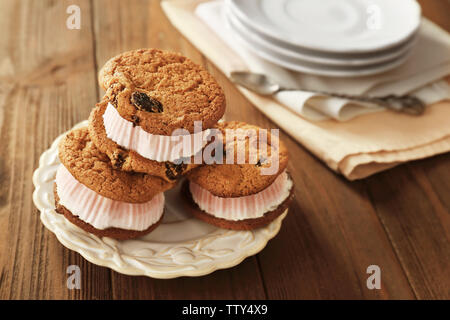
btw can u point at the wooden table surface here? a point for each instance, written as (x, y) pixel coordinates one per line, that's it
(398, 219)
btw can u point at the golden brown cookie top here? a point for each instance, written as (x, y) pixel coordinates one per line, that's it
(162, 91)
(250, 172)
(93, 169)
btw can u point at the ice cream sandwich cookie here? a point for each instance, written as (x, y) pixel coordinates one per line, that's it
(158, 105)
(127, 159)
(100, 199)
(245, 195)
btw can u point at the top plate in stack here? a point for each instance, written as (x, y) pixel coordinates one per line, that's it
(327, 37)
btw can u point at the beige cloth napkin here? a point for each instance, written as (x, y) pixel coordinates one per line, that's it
(357, 148)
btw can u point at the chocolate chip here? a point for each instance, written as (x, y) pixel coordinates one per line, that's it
(143, 102)
(173, 171)
(135, 120)
(118, 159)
(114, 101)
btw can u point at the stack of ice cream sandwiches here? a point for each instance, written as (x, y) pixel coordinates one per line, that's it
(151, 129)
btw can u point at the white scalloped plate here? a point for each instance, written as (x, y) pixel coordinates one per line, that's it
(180, 246)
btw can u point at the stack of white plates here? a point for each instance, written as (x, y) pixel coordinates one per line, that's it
(339, 38)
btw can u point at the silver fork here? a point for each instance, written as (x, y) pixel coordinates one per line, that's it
(263, 85)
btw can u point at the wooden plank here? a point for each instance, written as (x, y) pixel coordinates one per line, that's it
(240, 282)
(47, 85)
(413, 203)
(119, 27)
(437, 172)
(418, 222)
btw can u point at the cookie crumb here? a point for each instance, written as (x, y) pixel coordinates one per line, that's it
(118, 159)
(173, 171)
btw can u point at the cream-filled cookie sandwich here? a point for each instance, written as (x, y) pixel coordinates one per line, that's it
(250, 188)
(157, 110)
(101, 200)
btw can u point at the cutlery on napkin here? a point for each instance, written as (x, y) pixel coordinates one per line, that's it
(263, 84)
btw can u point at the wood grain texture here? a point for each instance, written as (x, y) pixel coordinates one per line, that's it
(417, 223)
(48, 72)
(335, 229)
